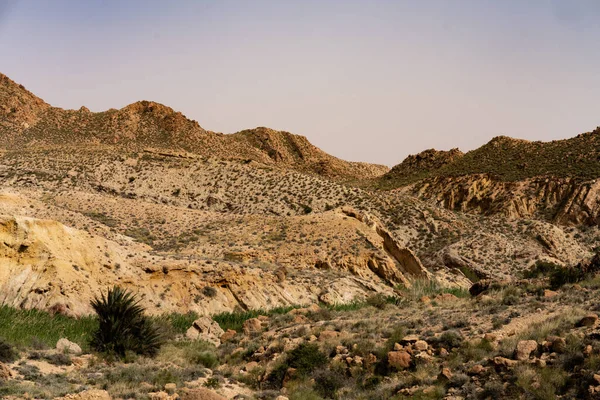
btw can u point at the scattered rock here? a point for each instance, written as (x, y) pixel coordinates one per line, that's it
(420, 345)
(525, 348)
(92, 394)
(399, 359)
(66, 346)
(328, 335)
(227, 336)
(588, 320)
(252, 325)
(504, 362)
(550, 293)
(205, 328)
(445, 375)
(476, 369)
(200, 394)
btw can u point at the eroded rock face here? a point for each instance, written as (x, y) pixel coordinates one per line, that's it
(560, 200)
(44, 264)
(205, 329)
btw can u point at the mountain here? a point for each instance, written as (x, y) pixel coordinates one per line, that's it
(28, 122)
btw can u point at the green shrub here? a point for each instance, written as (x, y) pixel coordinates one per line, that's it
(306, 358)
(7, 353)
(329, 381)
(123, 327)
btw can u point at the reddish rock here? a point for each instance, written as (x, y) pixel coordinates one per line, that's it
(525, 348)
(399, 359)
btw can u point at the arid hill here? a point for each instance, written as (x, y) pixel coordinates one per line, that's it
(28, 122)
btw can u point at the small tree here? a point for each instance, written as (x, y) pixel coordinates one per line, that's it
(123, 327)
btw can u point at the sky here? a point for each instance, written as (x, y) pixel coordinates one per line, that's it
(363, 80)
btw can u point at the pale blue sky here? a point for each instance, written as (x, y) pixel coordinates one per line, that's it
(364, 80)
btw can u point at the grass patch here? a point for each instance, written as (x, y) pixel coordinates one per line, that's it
(432, 288)
(23, 328)
(235, 320)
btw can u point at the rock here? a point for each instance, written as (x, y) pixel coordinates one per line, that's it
(251, 365)
(162, 396)
(300, 319)
(525, 348)
(445, 297)
(170, 387)
(557, 344)
(587, 351)
(92, 394)
(398, 347)
(550, 293)
(540, 363)
(588, 320)
(442, 352)
(399, 359)
(205, 328)
(263, 318)
(410, 339)
(490, 337)
(252, 325)
(290, 374)
(200, 394)
(66, 346)
(227, 336)
(597, 379)
(476, 369)
(504, 362)
(5, 373)
(425, 300)
(445, 375)
(281, 398)
(328, 335)
(420, 345)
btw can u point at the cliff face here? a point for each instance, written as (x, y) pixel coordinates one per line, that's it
(559, 200)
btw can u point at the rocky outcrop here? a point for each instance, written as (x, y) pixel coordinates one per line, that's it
(559, 200)
(407, 263)
(44, 264)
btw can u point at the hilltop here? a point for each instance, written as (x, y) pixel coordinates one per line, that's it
(29, 122)
(507, 159)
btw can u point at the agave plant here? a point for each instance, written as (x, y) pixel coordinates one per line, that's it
(123, 327)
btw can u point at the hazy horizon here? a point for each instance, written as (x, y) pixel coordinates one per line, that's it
(364, 81)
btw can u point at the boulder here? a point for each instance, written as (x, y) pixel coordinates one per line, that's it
(5, 373)
(420, 345)
(200, 394)
(66, 346)
(504, 362)
(399, 359)
(525, 348)
(230, 334)
(328, 335)
(205, 328)
(588, 320)
(92, 394)
(445, 375)
(252, 325)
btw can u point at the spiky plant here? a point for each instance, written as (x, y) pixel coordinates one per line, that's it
(123, 327)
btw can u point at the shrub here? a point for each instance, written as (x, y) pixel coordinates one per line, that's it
(450, 339)
(7, 352)
(306, 358)
(328, 382)
(123, 327)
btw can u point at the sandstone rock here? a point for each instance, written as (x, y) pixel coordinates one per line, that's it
(92, 394)
(490, 337)
(445, 297)
(442, 352)
(550, 293)
(252, 325)
(597, 379)
(398, 347)
(399, 359)
(300, 319)
(290, 374)
(525, 348)
(476, 369)
(5, 373)
(205, 328)
(425, 300)
(328, 335)
(263, 318)
(588, 320)
(66, 346)
(227, 336)
(170, 387)
(445, 375)
(162, 396)
(410, 339)
(251, 365)
(200, 394)
(420, 345)
(504, 362)
(557, 344)
(281, 398)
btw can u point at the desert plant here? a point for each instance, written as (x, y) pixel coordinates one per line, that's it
(123, 327)
(7, 352)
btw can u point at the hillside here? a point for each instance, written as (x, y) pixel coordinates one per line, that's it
(28, 122)
(509, 159)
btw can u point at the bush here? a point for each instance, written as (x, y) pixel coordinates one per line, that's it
(450, 339)
(123, 327)
(7, 352)
(306, 358)
(328, 382)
